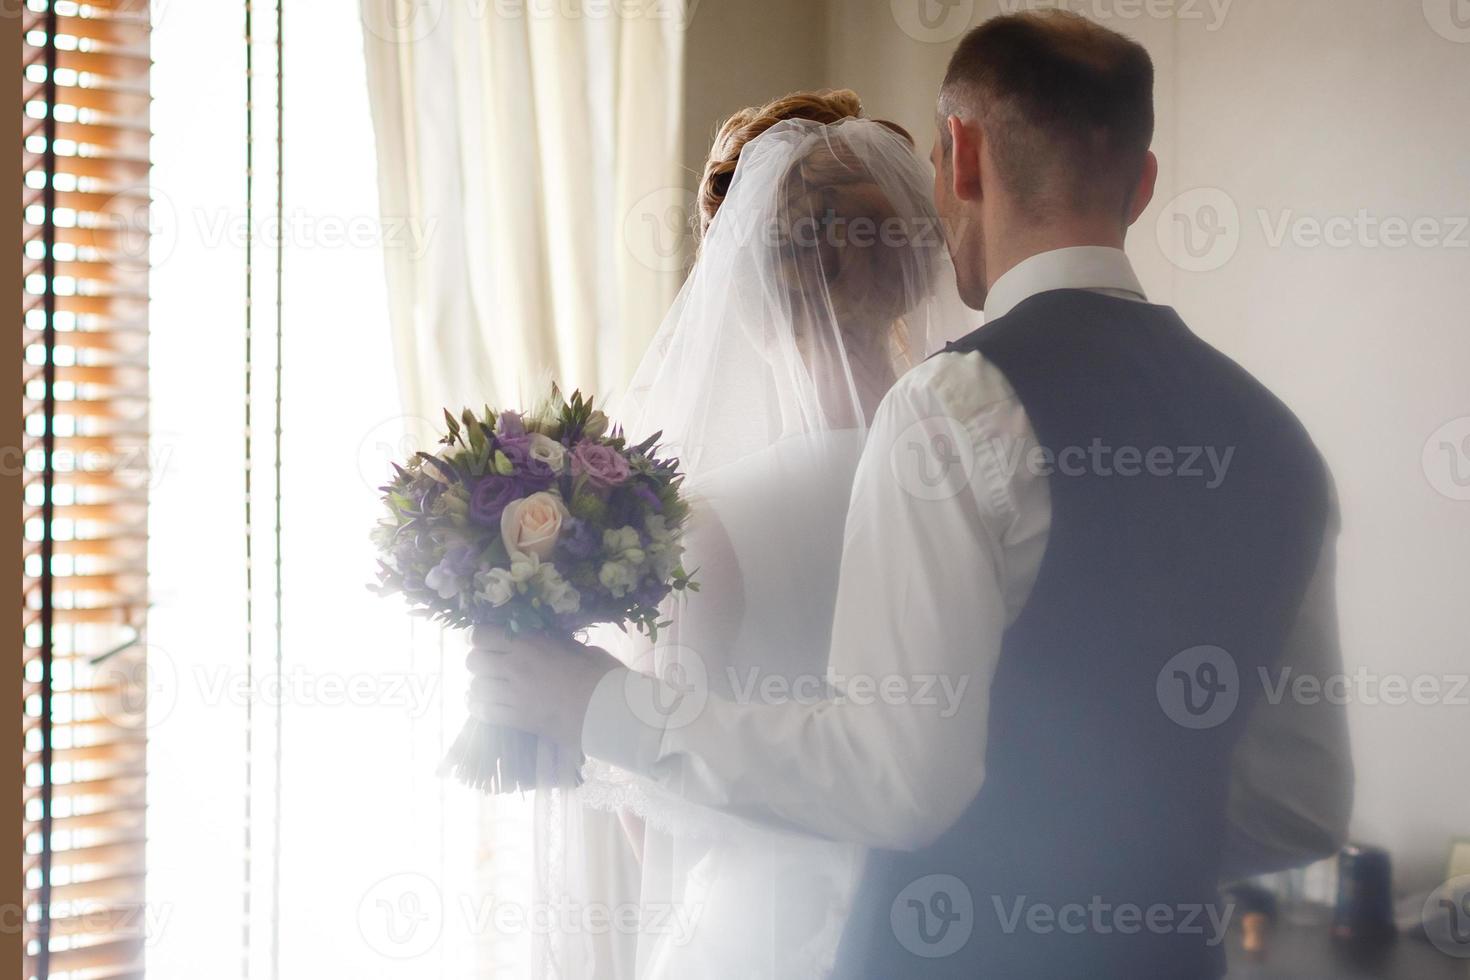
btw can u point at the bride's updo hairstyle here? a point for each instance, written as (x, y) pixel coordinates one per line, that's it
(819, 107)
(843, 235)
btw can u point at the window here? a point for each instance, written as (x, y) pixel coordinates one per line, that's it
(86, 476)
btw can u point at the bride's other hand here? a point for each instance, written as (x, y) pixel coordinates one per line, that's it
(536, 684)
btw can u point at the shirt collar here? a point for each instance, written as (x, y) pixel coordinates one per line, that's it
(1093, 267)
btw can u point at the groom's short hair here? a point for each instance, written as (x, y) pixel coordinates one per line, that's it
(1067, 106)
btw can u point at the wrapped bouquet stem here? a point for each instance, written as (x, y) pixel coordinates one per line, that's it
(542, 521)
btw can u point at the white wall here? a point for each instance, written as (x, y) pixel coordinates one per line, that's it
(1320, 109)
(1312, 109)
(745, 52)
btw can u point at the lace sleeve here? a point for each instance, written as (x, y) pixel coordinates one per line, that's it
(607, 787)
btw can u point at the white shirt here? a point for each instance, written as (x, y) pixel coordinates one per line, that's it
(932, 574)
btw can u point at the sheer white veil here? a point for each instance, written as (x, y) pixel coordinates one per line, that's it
(823, 276)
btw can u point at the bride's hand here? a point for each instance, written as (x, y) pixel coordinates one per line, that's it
(536, 684)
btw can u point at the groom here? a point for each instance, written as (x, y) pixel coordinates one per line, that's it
(1100, 532)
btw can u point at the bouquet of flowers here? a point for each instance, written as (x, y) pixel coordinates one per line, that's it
(543, 521)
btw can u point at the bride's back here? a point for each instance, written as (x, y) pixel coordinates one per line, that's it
(816, 284)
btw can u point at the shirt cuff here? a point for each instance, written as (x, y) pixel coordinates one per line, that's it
(612, 731)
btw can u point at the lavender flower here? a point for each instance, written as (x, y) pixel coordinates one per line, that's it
(531, 472)
(490, 497)
(645, 493)
(510, 425)
(580, 539)
(453, 573)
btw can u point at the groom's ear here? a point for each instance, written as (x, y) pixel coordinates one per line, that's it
(1143, 192)
(965, 141)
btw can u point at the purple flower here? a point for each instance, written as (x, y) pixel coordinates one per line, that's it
(452, 575)
(602, 465)
(579, 539)
(531, 473)
(510, 425)
(462, 559)
(490, 497)
(645, 493)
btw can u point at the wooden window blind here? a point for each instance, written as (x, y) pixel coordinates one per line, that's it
(86, 478)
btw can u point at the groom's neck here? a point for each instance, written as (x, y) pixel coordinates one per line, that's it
(1019, 238)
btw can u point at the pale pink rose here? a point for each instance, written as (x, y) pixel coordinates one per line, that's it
(532, 524)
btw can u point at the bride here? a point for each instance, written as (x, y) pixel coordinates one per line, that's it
(821, 276)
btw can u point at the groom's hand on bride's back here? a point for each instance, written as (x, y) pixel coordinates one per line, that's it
(534, 683)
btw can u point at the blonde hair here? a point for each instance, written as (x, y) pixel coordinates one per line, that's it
(826, 107)
(866, 286)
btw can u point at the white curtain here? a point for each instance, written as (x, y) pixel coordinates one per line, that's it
(524, 143)
(523, 150)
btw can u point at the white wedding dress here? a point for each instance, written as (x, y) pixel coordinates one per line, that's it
(745, 901)
(763, 380)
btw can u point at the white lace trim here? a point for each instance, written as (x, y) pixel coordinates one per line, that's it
(606, 787)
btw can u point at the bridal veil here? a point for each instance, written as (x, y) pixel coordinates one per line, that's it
(821, 278)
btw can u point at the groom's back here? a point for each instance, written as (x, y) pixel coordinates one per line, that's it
(1188, 508)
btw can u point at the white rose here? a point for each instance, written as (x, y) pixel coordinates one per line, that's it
(532, 524)
(548, 451)
(497, 586)
(557, 592)
(619, 578)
